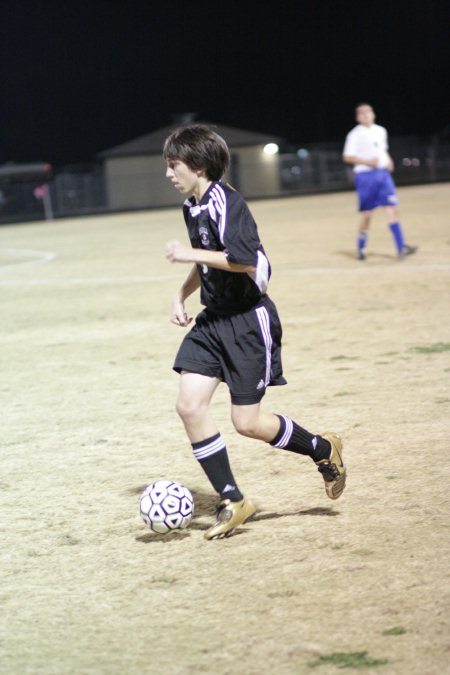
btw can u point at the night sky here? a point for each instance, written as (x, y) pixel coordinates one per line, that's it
(81, 77)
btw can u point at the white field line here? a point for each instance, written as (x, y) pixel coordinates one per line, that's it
(37, 257)
(142, 279)
(399, 266)
(91, 281)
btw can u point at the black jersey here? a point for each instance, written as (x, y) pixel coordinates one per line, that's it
(222, 221)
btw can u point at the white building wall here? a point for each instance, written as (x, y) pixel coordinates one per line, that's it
(258, 173)
(139, 182)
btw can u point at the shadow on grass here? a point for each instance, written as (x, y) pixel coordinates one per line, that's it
(316, 511)
(153, 538)
(373, 255)
(205, 504)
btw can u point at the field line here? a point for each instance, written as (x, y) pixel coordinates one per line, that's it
(91, 281)
(142, 279)
(38, 257)
(47, 256)
(367, 269)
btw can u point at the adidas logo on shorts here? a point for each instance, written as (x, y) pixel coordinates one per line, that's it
(260, 385)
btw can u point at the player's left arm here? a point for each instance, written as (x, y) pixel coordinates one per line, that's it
(385, 142)
(176, 252)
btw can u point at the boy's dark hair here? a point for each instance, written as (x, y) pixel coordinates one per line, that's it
(363, 105)
(199, 147)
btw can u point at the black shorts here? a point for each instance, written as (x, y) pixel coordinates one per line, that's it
(243, 350)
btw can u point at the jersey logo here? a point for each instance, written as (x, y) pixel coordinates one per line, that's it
(204, 235)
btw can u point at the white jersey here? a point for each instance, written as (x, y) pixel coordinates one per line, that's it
(367, 143)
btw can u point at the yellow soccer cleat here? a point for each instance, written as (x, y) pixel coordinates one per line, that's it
(229, 515)
(333, 469)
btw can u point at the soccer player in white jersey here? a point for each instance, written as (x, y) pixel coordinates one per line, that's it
(366, 148)
(237, 337)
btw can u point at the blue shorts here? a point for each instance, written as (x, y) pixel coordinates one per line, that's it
(375, 188)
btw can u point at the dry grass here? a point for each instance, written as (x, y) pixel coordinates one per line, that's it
(87, 398)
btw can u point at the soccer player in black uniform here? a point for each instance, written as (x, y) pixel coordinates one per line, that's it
(237, 337)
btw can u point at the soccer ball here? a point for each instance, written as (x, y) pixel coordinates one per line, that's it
(165, 506)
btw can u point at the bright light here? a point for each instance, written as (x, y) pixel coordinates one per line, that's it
(271, 149)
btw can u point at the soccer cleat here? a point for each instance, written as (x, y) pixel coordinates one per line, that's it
(406, 250)
(333, 469)
(361, 254)
(229, 515)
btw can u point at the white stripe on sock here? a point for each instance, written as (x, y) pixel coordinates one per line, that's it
(286, 437)
(211, 449)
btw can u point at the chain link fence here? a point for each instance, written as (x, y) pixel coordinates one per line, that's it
(79, 190)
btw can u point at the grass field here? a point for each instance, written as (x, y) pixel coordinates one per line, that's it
(87, 407)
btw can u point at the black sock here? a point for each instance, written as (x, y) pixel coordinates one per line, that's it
(293, 437)
(213, 457)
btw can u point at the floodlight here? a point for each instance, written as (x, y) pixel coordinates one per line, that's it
(271, 149)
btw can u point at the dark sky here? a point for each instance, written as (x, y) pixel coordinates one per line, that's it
(80, 77)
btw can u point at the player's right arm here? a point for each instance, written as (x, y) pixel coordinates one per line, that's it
(178, 314)
(352, 146)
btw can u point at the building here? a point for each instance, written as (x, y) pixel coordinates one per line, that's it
(135, 171)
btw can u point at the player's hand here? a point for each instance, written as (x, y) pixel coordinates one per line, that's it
(373, 163)
(178, 314)
(176, 252)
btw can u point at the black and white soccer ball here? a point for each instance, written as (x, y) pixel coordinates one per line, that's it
(166, 505)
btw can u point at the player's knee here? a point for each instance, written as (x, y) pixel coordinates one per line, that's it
(184, 408)
(246, 426)
(187, 408)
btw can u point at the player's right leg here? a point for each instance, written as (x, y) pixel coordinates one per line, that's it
(366, 187)
(363, 230)
(208, 446)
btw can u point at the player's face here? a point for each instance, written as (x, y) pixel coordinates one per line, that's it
(183, 178)
(365, 115)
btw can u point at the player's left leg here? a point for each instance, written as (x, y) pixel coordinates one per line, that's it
(403, 249)
(282, 432)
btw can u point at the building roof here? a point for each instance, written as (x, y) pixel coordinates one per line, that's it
(152, 143)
